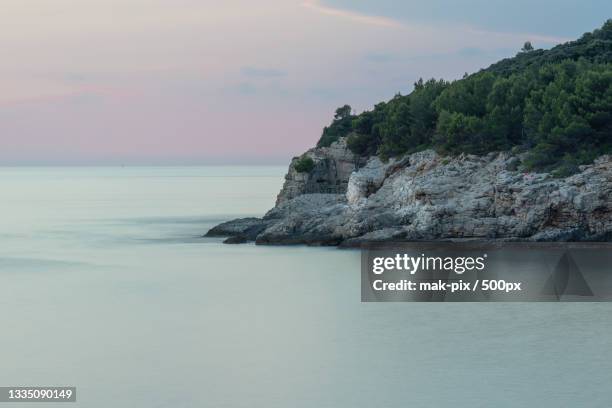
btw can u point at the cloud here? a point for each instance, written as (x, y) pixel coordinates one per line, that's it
(380, 57)
(402, 21)
(473, 52)
(169, 81)
(490, 53)
(465, 53)
(546, 39)
(257, 72)
(246, 88)
(351, 15)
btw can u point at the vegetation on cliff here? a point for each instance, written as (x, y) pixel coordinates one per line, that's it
(304, 164)
(555, 104)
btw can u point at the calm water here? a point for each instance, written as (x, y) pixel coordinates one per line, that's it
(106, 285)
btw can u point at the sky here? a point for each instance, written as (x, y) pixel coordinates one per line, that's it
(140, 82)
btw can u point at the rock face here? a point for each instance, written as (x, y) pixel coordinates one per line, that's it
(333, 166)
(427, 197)
(248, 228)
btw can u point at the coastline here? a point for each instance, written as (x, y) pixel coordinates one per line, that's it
(428, 197)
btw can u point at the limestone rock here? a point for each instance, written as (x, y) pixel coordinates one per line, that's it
(333, 166)
(423, 196)
(245, 227)
(236, 239)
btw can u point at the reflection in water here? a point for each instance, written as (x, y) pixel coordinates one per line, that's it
(129, 304)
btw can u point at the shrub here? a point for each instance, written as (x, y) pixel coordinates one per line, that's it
(304, 164)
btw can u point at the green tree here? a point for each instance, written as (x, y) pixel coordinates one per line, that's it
(555, 105)
(341, 126)
(343, 112)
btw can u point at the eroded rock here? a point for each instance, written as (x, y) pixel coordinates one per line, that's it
(427, 197)
(332, 169)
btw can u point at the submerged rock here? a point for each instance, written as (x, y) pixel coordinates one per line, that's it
(236, 239)
(246, 227)
(424, 196)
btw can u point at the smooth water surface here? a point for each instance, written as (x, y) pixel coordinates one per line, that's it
(105, 284)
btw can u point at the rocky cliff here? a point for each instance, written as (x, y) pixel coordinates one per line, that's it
(332, 169)
(347, 200)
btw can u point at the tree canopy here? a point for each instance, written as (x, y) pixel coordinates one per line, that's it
(556, 105)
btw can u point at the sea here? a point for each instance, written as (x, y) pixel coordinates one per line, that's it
(107, 284)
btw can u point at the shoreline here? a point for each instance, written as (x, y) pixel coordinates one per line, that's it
(427, 197)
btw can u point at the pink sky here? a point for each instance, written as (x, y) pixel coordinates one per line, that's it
(185, 81)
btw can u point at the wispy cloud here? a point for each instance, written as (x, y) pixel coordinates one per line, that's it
(546, 39)
(258, 72)
(170, 79)
(246, 88)
(64, 93)
(380, 57)
(351, 15)
(376, 20)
